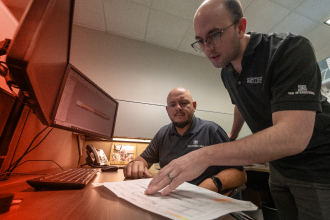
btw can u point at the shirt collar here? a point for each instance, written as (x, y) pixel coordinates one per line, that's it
(255, 39)
(192, 129)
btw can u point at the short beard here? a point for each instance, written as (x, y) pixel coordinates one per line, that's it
(185, 123)
(181, 124)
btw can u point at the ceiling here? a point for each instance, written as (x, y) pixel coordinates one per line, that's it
(168, 23)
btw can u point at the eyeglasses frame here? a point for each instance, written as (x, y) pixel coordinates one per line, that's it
(211, 35)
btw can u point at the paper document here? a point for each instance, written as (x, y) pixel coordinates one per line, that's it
(186, 202)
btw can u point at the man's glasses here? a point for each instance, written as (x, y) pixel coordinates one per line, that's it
(213, 40)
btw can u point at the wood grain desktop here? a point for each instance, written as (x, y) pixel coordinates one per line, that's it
(91, 202)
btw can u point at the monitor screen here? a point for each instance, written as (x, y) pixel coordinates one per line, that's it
(39, 53)
(83, 107)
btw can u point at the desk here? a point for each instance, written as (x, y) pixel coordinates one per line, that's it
(257, 188)
(91, 202)
(258, 168)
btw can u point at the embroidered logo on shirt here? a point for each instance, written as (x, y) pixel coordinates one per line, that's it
(195, 144)
(254, 80)
(302, 89)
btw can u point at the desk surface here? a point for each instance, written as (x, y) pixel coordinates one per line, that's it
(259, 168)
(91, 202)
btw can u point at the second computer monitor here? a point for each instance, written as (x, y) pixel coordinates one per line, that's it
(84, 107)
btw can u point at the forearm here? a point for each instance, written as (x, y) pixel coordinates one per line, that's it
(230, 178)
(237, 124)
(288, 136)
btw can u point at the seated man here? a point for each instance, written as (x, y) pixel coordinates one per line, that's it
(186, 133)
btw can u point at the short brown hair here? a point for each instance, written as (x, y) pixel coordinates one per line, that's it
(234, 8)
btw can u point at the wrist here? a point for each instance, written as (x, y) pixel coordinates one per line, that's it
(217, 182)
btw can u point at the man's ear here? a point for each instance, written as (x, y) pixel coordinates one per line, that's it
(194, 105)
(241, 27)
(166, 109)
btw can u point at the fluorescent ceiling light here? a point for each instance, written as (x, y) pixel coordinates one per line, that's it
(327, 22)
(131, 140)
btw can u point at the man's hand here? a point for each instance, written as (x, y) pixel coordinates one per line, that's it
(232, 137)
(185, 168)
(136, 170)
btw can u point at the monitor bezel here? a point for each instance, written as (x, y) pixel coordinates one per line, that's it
(82, 131)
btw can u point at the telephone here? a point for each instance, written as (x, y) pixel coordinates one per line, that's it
(95, 157)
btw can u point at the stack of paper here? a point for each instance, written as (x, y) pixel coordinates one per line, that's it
(186, 202)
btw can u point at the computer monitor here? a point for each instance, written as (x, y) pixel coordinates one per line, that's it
(39, 53)
(38, 60)
(84, 107)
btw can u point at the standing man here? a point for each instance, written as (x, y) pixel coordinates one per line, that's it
(274, 82)
(185, 134)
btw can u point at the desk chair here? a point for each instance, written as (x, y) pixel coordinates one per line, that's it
(235, 192)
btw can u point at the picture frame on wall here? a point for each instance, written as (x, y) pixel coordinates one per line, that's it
(122, 153)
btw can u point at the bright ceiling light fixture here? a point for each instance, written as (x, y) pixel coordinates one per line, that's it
(131, 140)
(327, 22)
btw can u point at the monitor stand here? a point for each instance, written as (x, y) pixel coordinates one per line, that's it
(9, 130)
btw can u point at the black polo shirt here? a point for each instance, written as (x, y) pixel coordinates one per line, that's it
(168, 145)
(280, 72)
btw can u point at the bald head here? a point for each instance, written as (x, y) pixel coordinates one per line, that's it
(180, 108)
(179, 91)
(232, 8)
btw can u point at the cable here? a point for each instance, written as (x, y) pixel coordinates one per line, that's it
(78, 142)
(40, 160)
(5, 68)
(15, 164)
(19, 139)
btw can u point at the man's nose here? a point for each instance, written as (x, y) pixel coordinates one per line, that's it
(178, 106)
(207, 47)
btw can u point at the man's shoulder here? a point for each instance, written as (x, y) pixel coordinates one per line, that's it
(277, 39)
(206, 124)
(165, 128)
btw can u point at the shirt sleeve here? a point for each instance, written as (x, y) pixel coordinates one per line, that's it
(151, 153)
(296, 77)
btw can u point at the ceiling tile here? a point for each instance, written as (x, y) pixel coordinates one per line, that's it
(263, 15)
(90, 13)
(290, 4)
(323, 53)
(245, 4)
(316, 10)
(319, 37)
(181, 8)
(166, 30)
(296, 24)
(188, 39)
(144, 2)
(170, 25)
(126, 18)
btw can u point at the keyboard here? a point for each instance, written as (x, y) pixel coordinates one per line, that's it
(66, 179)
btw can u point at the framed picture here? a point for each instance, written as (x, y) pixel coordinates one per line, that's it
(122, 153)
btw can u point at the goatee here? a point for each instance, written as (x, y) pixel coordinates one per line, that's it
(181, 124)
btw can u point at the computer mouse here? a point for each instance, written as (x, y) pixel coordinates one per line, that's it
(109, 168)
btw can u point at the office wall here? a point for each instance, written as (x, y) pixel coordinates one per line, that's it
(141, 76)
(138, 74)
